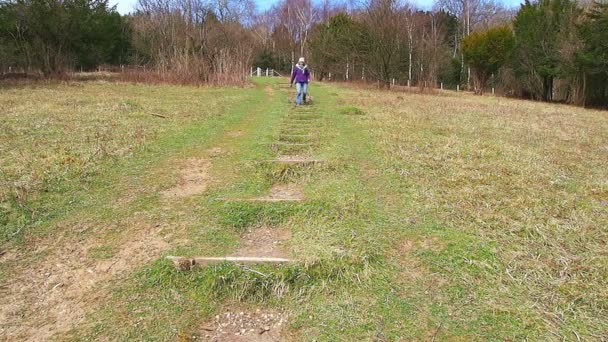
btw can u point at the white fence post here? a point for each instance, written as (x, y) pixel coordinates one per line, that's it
(441, 85)
(457, 87)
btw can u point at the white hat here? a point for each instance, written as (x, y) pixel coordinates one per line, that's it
(301, 60)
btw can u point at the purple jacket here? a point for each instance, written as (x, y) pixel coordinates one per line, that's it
(300, 74)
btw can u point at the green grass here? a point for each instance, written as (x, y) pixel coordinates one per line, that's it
(443, 216)
(62, 142)
(350, 110)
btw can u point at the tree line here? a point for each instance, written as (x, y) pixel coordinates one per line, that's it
(551, 50)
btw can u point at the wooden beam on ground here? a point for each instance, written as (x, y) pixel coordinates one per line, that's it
(296, 125)
(296, 129)
(281, 143)
(263, 199)
(296, 135)
(295, 161)
(302, 117)
(302, 122)
(186, 263)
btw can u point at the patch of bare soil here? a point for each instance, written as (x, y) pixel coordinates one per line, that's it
(7, 255)
(235, 134)
(411, 269)
(194, 178)
(269, 90)
(215, 152)
(247, 325)
(284, 192)
(264, 242)
(48, 297)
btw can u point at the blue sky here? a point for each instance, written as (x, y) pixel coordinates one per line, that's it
(126, 6)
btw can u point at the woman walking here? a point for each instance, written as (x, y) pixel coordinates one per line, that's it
(300, 76)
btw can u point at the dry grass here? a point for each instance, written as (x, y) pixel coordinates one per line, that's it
(434, 216)
(528, 178)
(54, 136)
(84, 169)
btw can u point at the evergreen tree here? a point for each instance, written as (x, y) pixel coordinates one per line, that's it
(54, 35)
(337, 45)
(539, 28)
(486, 52)
(594, 56)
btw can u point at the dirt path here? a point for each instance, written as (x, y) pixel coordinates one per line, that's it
(263, 324)
(61, 280)
(50, 296)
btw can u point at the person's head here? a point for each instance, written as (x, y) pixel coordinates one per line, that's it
(301, 61)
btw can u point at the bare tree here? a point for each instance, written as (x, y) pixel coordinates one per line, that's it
(382, 17)
(473, 15)
(193, 40)
(409, 20)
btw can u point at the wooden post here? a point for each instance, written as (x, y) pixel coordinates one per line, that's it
(441, 85)
(492, 90)
(266, 72)
(457, 87)
(393, 82)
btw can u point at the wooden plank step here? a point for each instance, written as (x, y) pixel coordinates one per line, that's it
(302, 122)
(300, 125)
(299, 120)
(302, 117)
(296, 135)
(295, 139)
(291, 130)
(186, 263)
(263, 199)
(295, 161)
(280, 143)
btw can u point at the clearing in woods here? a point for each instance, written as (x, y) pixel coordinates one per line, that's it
(406, 216)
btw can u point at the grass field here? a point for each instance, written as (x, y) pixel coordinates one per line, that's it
(429, 216)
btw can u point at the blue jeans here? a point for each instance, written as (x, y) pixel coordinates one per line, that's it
(301, 89)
